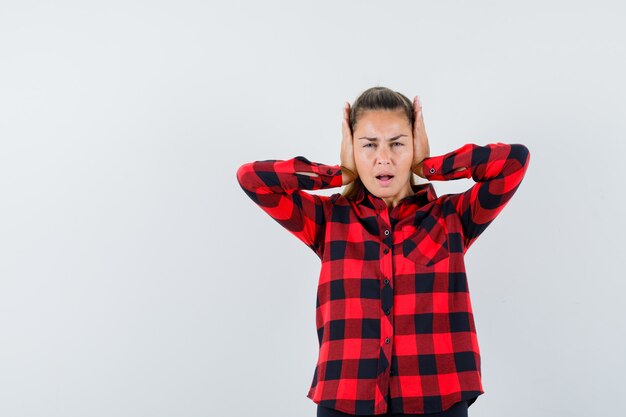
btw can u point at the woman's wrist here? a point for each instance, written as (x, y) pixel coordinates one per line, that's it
(347, 175)
(417, 169)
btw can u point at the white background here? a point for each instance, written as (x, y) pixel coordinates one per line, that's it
(136, 277)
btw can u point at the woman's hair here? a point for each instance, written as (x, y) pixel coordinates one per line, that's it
(376, 98)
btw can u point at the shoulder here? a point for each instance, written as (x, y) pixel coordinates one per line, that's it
(447, 203)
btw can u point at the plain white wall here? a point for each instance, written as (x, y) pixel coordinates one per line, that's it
(136, 277)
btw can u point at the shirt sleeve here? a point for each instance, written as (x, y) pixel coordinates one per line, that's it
(277, 187)
(498, 170)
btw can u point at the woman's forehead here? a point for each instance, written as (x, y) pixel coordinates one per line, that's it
(377, 123)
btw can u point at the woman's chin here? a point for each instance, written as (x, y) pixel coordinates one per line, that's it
(383, 192)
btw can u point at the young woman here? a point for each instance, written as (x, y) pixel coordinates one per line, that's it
(393, 313)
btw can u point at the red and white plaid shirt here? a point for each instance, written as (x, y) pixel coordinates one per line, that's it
(393, 312)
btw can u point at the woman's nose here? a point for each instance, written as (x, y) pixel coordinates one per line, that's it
(383, 155)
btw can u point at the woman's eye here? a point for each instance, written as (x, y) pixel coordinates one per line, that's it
(370, 145)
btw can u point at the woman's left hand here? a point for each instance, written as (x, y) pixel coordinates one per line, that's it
(421, 149)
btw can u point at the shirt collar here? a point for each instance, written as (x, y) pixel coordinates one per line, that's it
(422, 194)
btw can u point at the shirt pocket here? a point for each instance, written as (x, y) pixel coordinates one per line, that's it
(426, 245)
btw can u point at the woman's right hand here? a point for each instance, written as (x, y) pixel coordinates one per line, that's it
(421, 148)
(347, 149)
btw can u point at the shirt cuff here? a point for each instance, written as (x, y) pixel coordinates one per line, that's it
(334, 175)
(431, 167)
(329, 176)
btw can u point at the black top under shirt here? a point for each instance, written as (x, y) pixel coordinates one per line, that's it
(458, 409)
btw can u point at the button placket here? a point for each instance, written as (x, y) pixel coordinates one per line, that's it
(386, 291)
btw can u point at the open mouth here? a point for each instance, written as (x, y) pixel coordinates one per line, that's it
(384, 179)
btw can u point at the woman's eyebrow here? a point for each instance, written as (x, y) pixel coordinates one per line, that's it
(375, 138)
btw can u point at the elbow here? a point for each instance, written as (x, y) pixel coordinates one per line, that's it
(245, 177)
(244, 171)
(520, 153)
(240, 172)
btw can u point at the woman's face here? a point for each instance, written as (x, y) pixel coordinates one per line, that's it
(383, 144)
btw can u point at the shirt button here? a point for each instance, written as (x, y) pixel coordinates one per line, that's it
(392, 372)
(387, 340)
(386, 250)
(387, 311)
(432, 170)
(386, 232)
(330, 171)
(386, 281)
